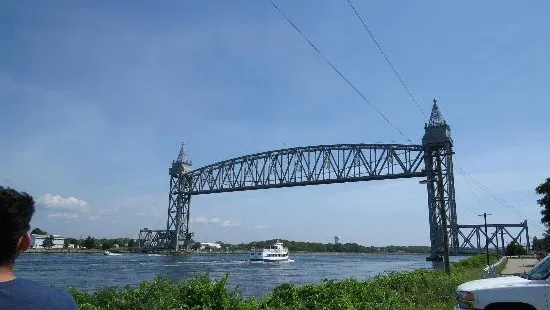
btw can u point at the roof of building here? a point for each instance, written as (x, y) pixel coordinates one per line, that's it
(45, 236)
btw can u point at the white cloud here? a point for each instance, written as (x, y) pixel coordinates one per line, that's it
(216, 221)
(93, 218)
(259, 226)
(69, 203)
(204, 220)
(63, 215)
(108, 211)
(230, 223)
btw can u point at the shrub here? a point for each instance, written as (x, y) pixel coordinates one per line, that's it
(514, 249)
(419, 289)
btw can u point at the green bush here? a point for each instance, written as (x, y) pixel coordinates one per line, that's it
(514, 249)
(419, 289)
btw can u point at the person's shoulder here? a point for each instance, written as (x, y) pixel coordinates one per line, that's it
(54, 298)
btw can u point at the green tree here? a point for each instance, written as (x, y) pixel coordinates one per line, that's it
(514, 248)
(544, 202)
(535, 244)
(38, 231)
(196, 246)
(72, 241)
(90, 243)
(48, 242)
(106, 244)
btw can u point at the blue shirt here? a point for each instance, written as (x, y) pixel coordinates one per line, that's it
(21, 294)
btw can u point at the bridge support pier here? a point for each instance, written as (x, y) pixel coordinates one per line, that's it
(177, 224)
(176, 236)
(438, 161)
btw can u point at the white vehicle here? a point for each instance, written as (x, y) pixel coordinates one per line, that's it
(531, 291)
(273, 253)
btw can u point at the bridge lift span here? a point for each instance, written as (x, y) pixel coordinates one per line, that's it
(328, 164)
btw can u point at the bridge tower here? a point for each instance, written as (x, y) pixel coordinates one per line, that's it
(177, 225)
(438, 159)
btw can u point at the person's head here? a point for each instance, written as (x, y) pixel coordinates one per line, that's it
(16, 210)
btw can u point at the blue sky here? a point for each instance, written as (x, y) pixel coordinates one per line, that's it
(96, 97)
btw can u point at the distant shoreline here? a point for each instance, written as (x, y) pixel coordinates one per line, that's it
(127, 251)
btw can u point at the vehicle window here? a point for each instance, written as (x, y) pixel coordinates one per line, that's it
(541, 270)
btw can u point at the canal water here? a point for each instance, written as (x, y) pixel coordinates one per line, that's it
(92, 271)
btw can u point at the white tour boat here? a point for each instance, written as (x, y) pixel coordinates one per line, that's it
(274, 253)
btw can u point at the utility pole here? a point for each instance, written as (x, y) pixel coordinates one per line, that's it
(486, 236)
(443, 215)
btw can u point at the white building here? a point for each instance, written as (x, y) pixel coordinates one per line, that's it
(38, 240)
(210, 246)
(336, 240)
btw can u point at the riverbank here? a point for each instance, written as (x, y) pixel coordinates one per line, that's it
(122, 250)
(59, 251)
(75, 251)
(419, 289)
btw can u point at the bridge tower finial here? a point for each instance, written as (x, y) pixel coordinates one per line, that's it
(436, 130)
(182, 156)
(436, 118)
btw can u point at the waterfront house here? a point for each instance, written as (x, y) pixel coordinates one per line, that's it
(37, 240)
(210, 246)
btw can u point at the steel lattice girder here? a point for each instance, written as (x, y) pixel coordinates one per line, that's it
(473, 237)
(313, 165)
(155, 239)
(178, 209)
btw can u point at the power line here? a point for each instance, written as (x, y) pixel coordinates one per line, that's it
(339, 72)
(467, 207)
(404, 85)
(484, 188)
(388, 62)
(491, 194)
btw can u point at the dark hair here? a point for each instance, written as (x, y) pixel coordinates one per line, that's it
(16, 210)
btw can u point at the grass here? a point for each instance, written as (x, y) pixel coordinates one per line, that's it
(419, 289)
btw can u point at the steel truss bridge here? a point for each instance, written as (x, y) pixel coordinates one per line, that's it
(329, 164)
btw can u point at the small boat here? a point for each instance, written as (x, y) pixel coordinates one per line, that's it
(274, 253)
(109, 253)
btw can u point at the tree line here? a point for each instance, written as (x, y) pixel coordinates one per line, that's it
(88, 243)
(103, 243)
(543, 244)
(300, 246)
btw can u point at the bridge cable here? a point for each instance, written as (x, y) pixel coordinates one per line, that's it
(365, 98)
(388, 62)
(413, 99)
(339, 72)
(491, 194)
(480, 202)
(471, 189)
